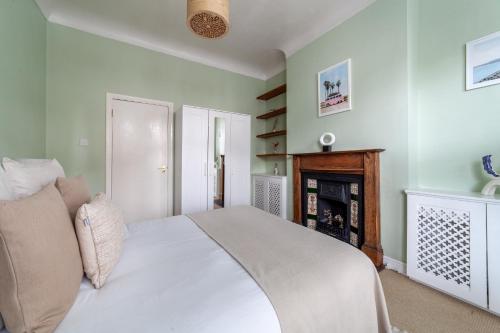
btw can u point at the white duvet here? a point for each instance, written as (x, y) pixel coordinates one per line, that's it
(172, 278)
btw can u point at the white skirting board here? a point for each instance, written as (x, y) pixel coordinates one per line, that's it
(395, 265)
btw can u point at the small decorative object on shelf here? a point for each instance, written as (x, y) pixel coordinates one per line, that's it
(490, 188)
(327, 140)
(276, 172)
(275, 125)
(276, 147)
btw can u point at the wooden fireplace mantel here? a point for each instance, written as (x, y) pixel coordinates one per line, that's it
(354, 162)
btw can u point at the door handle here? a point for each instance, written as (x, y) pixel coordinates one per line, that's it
(163, 169)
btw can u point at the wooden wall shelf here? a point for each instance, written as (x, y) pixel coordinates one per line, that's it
(273, 93)
(271, 134)
(272, 114)
(272, 155)
(265, 97)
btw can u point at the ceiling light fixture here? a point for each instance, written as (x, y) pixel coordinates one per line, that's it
(208, 18)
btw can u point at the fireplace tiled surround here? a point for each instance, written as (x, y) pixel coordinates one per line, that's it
(334, 205)
(338, 194)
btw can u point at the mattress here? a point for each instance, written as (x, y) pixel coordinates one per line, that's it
(172, 278)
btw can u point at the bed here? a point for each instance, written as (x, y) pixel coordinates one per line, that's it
(172, 278)
(178, 275)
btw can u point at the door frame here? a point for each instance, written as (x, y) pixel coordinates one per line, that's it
(110, 97)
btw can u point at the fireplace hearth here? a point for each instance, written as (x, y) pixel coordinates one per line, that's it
(334, 205)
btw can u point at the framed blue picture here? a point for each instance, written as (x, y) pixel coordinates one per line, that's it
(483, 62)
(334, 89)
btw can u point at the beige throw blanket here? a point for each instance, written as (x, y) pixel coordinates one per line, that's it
(316, 284)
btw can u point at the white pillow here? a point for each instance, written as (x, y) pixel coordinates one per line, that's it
(5, 192)
(33, 161)
(29, 177)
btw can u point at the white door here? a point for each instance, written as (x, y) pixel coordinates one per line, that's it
(218, 152)
(139, 182)
(194, 160)
(239, 146)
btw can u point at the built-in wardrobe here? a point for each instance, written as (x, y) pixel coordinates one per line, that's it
(212, 159)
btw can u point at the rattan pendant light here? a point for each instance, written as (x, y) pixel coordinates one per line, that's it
(208, 18)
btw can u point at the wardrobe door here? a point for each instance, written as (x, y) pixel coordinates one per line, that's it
(194, 160)
(240, 160)
(218, 158)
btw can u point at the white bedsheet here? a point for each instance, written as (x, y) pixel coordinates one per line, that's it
(172, 278)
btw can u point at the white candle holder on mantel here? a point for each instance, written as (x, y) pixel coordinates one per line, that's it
(491, 187)
(327, 140)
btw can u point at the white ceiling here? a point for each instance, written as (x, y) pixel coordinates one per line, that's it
(262, 32)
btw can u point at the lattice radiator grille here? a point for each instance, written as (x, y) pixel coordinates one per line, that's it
(259, 194)
(269, 194)
(275, 198)
(443, 246)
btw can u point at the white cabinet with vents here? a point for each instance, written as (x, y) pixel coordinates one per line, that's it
(493, 217)
(269, 194)
(453, 245)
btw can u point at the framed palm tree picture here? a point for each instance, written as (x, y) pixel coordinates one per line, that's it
(334, 89)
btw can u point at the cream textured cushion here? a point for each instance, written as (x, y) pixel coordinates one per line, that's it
(75, 192)
(40, 263)
(99, 227)
(28, 177)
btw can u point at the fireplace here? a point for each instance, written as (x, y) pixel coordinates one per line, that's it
(338, 194)
(333, 205)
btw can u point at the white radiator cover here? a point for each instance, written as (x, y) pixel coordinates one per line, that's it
(269, 194)
(449, 238)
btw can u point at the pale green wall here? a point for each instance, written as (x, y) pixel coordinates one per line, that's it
(376, 41)
(82, 68)
(408, 97)
(455, 127)
(412, 53)
(408, 61)
(22, 79)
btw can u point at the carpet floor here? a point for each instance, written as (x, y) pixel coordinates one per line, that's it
(416, 308)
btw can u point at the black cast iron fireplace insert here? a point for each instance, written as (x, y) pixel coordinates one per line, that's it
(333, 204)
